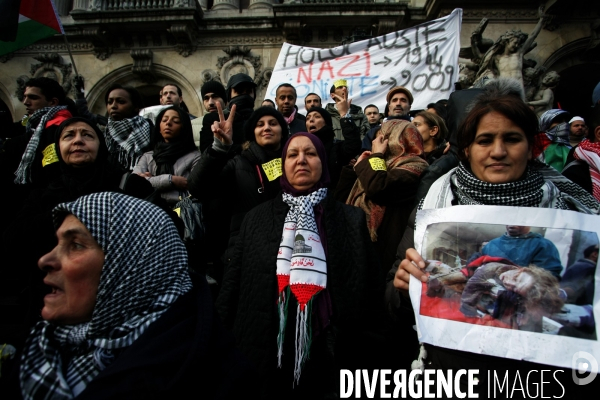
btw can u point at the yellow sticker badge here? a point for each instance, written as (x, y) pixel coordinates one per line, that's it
(273, 169)
(377, 164)
(50, 156)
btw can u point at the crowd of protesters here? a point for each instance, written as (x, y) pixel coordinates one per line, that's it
(307, 241)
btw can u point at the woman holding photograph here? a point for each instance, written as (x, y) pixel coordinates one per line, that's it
(496, 142)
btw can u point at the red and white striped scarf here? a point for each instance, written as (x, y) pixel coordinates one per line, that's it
(590, 153)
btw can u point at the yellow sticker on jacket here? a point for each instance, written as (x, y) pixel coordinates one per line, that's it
(50, 156)
(377, 164)
(178, 211)
(273, 169)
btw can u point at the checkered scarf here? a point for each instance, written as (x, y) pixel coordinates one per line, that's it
(144, 272)
(542, 186)
(301, 270)
(589, 152)
(128, 139)
(35, 126)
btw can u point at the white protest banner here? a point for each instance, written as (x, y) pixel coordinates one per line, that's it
(423, 58)
(482, 298)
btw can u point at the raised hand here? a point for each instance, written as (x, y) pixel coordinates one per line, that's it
(342, 104)
(223, 130)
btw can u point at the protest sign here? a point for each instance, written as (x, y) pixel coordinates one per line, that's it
(423, 58)
(494, 282)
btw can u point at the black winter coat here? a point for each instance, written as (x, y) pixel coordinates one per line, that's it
(238, 183)
(247, 300)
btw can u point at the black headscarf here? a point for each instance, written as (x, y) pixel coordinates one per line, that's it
(326, 133)
(78, 181)
(165, 154)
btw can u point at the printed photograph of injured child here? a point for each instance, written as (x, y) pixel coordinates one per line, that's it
(516, 277)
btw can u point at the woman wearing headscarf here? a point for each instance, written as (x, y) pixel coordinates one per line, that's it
(127, 133)
(84, 168)
(168, 166)
(434, 133)
(123, 322)
(232, 184)
(496, 144)
(384, 183)
(553, 144)
(340, 153)
(301, 291)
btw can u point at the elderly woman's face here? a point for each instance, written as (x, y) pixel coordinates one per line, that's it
(78, 144)
(170, 125)
(500, 151)
(303, 166)
(73, 272)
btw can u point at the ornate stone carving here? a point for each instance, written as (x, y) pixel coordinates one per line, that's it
(543, 98)
(505, 58)
(263, 79)
(238, 60)
(52, 65)
(102, 53)
(387, 25)
(184, 37)
(142, 64)
(21, 81)
(210, 75)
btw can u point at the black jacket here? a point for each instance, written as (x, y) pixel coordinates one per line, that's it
(247, 301)
(239, 184)
(339, 153)
(298, 124)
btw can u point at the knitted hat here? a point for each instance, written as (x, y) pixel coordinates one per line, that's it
(258, 114)
(326, 116)
(215, 87)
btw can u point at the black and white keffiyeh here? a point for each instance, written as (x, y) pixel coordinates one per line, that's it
(144, 273)
(301, 270)
(542, 186)
(35, 125)
(128, 139)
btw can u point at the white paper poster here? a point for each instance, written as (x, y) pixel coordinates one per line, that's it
(517, 282)
(423, 58)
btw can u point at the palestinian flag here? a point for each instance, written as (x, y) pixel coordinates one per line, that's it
(35, 20)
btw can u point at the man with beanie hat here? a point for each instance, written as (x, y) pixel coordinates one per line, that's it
(339, 153)
(212, 92)
(241, 91)
(343, 108)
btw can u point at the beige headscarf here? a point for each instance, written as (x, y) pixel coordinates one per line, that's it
(405, 149)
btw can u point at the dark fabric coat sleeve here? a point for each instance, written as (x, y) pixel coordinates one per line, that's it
(351, 145)
(212, 177)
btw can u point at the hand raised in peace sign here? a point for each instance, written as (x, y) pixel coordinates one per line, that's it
(223, 130)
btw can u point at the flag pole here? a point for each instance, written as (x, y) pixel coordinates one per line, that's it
(64, 35)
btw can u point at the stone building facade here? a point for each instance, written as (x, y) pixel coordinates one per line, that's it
(149, 43)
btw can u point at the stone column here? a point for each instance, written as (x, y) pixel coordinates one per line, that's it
(226, 5)
(80, 5)
(63, 7)
(256, 4)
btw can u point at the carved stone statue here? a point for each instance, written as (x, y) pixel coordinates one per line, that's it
(505, 58)
(543, 99)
